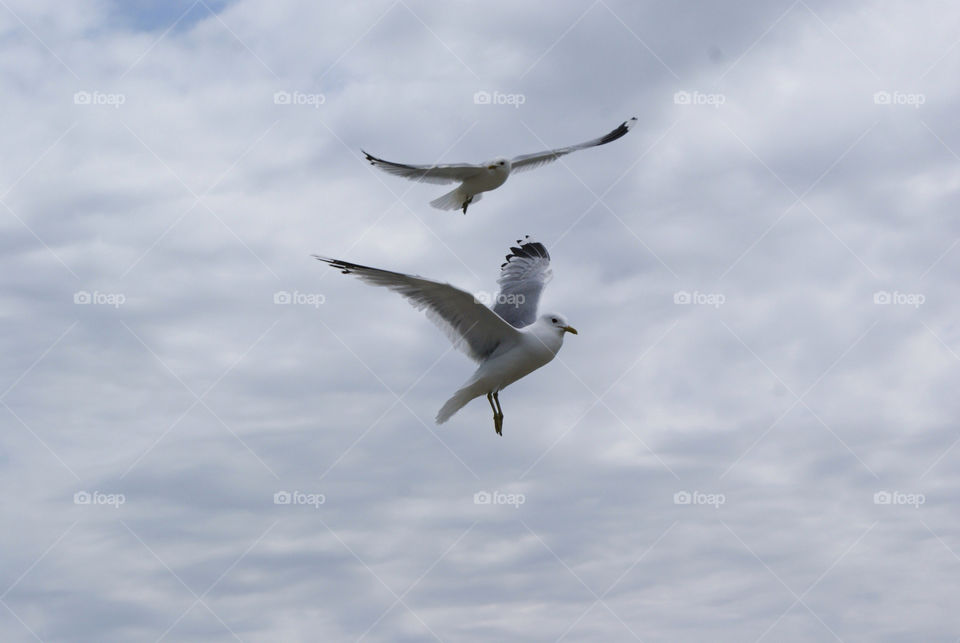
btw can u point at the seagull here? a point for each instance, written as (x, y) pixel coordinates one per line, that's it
(474, 179)
(508, 340)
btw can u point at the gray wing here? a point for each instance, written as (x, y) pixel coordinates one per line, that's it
(530, 161)
(522, 278)
(472, 327)
(454, 173)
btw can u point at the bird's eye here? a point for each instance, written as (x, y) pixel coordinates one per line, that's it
(554, 320)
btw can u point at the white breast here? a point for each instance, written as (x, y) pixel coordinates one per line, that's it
(487, 180)
(536, 348)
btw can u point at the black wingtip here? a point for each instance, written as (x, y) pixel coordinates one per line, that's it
(342, 266)
(527, 249)
(621, 131)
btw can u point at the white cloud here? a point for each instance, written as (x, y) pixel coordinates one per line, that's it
(199, 197)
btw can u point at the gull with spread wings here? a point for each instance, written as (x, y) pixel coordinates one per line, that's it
(483, 177)
(508, 340)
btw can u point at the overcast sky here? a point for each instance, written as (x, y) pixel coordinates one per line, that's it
(753, 437)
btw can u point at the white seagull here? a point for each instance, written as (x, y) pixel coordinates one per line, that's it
(483, 177)
(509, 340)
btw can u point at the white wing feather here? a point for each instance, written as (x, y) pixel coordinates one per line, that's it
(453, 173)
(530, 161)
(522, 278)
(472, 327)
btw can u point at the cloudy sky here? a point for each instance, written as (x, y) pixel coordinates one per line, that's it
(754, 437)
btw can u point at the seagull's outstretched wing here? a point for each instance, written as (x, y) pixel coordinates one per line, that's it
(530, 161)
(454, 173)
(471, 326)
(522, 278)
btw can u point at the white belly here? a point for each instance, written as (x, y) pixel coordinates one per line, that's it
(499, 372)
(485, 181)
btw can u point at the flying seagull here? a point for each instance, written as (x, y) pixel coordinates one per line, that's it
(474, 179)
(508, 340)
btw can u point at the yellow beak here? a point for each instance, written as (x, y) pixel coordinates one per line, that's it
(491, 167)
(571, 329)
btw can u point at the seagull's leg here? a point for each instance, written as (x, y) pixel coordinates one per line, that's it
(498, 414)
(496, 426)
(466, 203)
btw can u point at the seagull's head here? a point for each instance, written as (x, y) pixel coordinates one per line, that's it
(557, 322)
(499, 164)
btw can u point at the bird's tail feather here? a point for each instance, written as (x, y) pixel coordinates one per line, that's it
(453, 200)
(457, 402)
